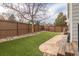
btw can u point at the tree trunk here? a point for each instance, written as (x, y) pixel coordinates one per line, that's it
(32, 24)
(32, 27)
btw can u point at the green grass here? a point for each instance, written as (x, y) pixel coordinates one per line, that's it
(28, 46)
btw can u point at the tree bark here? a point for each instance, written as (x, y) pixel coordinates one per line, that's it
(32, 24)
(32, 27)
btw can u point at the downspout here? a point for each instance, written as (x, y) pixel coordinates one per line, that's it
(70, 20)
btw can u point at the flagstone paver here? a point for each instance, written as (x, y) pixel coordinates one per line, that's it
(75, 47)
(52, 46)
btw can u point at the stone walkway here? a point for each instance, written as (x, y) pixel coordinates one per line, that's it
(51, 46)
(21, 36)
(75, 45)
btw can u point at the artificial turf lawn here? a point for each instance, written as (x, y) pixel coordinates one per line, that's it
(28, 46)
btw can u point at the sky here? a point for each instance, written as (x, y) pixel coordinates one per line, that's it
(53, 10)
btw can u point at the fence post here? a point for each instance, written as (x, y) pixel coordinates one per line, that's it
(28, 28)
(49, 28)
(38, 28)
(34, 28)
(61, 28)
(17, 28)
(54, 28)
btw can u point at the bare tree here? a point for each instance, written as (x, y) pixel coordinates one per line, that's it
(29, 11)
(12, 18)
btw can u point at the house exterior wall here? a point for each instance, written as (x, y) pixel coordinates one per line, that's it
(75, 21)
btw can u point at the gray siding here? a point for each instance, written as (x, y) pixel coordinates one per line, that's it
(75, 21)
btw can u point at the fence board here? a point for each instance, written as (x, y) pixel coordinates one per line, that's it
(54, 28)
(9, 29)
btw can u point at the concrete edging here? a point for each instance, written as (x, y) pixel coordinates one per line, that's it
(17, 37)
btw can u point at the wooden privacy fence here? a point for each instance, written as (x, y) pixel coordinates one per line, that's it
(55, 28)
(9, 29)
